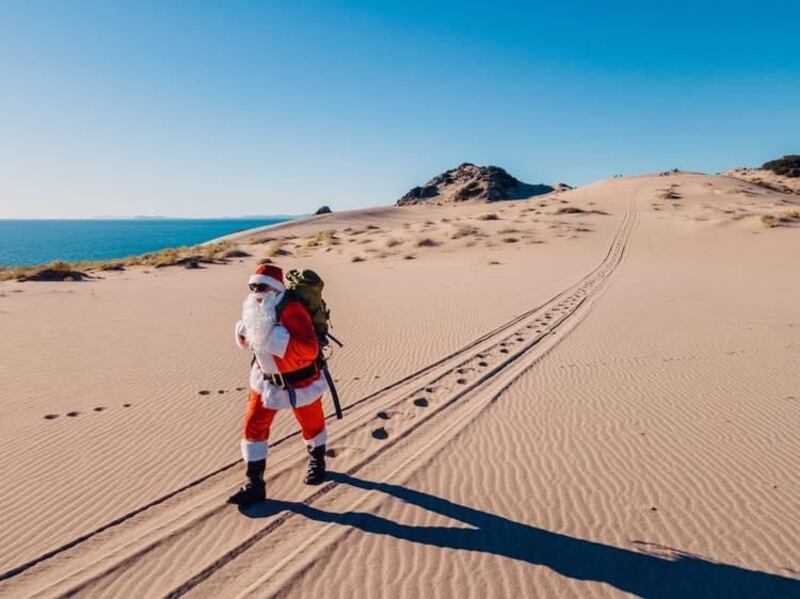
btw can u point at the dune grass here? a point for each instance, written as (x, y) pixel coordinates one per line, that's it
(199, 254)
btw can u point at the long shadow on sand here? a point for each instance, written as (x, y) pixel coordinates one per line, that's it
(675, 574)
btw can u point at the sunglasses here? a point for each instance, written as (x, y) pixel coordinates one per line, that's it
(260, 287)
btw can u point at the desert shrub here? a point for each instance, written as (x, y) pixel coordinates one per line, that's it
(508, 230)
(392, 242)
(769, 220)
(235, 253)
(322, 237)
(276, 250)
(427, 242)
(510, 240)
(55, 271)
(112, 266)
(464, 231)
(358, 259)
(262, 240)
(489, 216)
(570, 210)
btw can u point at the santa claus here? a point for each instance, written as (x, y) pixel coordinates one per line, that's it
(285, 374)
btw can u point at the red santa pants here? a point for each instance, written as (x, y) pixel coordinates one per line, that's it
(258, 419)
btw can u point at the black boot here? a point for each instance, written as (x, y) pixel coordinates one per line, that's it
(254, 490)
(316, 466)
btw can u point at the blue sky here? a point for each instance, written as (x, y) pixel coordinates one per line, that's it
(229, 108)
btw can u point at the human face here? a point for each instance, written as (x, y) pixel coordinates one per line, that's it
(260, 291)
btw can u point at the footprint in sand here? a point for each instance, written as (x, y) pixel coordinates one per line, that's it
(461, 381)
(50, 416)
(520, 339)
(380, 433)
(99, 408)
(504, 351)
(383, 415)
(430, 389)
(221, 391)
(483, 364)
(241, 388)
(421, 402)
(203, 392)
(73, 414)
(126, 405)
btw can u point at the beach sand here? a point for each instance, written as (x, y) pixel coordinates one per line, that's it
(590, 393)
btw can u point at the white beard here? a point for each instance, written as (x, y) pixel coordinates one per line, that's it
(258, 319)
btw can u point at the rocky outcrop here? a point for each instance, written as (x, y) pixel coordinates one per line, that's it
(469, 182)
(788, 166)
(324, 210)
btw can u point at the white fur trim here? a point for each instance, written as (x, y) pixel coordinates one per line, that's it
(240, 332)
(278, 340)
(265, 280)
(276, 398)
(320, 439)
(252, 451)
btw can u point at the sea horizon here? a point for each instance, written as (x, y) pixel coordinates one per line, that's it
(36, 241)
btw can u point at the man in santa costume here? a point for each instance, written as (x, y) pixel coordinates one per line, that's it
(284, 374)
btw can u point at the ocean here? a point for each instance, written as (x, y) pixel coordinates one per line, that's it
(30, 242)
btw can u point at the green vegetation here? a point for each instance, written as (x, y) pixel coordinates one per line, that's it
(190, 257)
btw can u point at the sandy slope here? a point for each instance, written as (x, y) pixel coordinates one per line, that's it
(675, 388)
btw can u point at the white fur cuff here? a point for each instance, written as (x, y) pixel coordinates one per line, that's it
(320, 439)
(253, 451)
(240, 332)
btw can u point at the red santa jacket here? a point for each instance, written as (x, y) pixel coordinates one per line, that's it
(302, 346)
(294, 346)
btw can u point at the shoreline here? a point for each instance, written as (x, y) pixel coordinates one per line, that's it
(156, 258)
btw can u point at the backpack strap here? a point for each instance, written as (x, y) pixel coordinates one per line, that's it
(288, 296)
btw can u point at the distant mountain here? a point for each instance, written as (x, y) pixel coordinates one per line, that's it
(472, 183)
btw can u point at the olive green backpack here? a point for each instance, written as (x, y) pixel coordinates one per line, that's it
(306, 287)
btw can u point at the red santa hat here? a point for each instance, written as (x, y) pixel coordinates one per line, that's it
(268, 274)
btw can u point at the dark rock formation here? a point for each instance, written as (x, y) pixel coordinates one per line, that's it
(788, 166)
(469, 182)
(324, 210)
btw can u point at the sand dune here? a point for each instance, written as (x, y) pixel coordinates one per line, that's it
(588, 393)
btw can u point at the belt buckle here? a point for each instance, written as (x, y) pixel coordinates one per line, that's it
(278, 380)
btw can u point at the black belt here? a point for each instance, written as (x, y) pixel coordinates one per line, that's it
(280, 379)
